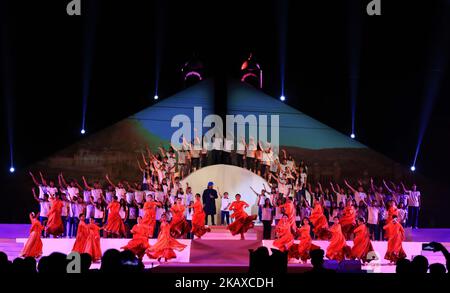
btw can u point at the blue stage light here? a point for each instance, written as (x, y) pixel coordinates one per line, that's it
(12, 170)
(413, 168)
(155, 97)
(282, 98)
(83, 131)
(352, 136)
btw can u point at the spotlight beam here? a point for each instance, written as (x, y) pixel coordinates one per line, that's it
(7, 74)
(283, 28)
(159, 41)
(354, 35)
(88, 54)
(440, 45)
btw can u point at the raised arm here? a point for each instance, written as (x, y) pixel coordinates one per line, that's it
(387, 187)
(34, 179)
(349, 186)
(254, 191)
(86, 185)
(404, 188)
(109, 181)
(44, 182)
(332, 188)
(320, 187)
(63, 180)
(143, 159)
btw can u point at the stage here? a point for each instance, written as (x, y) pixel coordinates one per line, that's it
(218, 251)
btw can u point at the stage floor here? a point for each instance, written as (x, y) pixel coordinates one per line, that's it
(221, 252)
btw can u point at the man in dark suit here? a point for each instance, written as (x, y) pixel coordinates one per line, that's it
(209, 202)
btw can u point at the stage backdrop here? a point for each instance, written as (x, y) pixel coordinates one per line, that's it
(229, 179)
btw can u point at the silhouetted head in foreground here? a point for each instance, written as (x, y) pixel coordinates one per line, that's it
(437, 269)
(403, 266)
(419, 264)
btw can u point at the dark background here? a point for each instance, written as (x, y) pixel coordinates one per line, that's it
(44, 52)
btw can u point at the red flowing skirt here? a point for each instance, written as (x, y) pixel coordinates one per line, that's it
(138, 246)
(33, 246)
(115, 225)
(361, 247)
(93, 247)
(55, 224)
(284, 242)
(179, 227)
(304, 247)
(242, 224)
(164, 248)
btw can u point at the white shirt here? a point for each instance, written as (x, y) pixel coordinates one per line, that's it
(120, 193)
(189, 214)
(86, 196)
(240, 148)
(109, 196)
(229, 145)
(262, 200)
(73, 191)
(139, 196)
(373, 213)
(251, 150)
(98, 213)
(90, 211)
(224, 203)
(44, 208)
(130, 197)
(182, 157)
(266, 214)
(413, 198)
(359, 196)
(340, 198)
(51, 191)
(96, 193)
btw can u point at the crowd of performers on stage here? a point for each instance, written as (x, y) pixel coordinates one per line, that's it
(159, 207)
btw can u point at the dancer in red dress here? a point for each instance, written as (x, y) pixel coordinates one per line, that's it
(198, 218)
(319, 221)
(93, 241)
(242, 221)
(150, 213)
(139, 244)
(348, 220)
(178, 226)
(337, 248)
(392, 211)
(82, 235)
(305, 245)
(55, 224)
(33, 246)
(395, 235)
(285, 239)
(114, 226)
(289, 210)
(166, 244)
(361, 243)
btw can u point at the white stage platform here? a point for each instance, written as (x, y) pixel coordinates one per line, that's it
(378, 266)
(65, 246)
